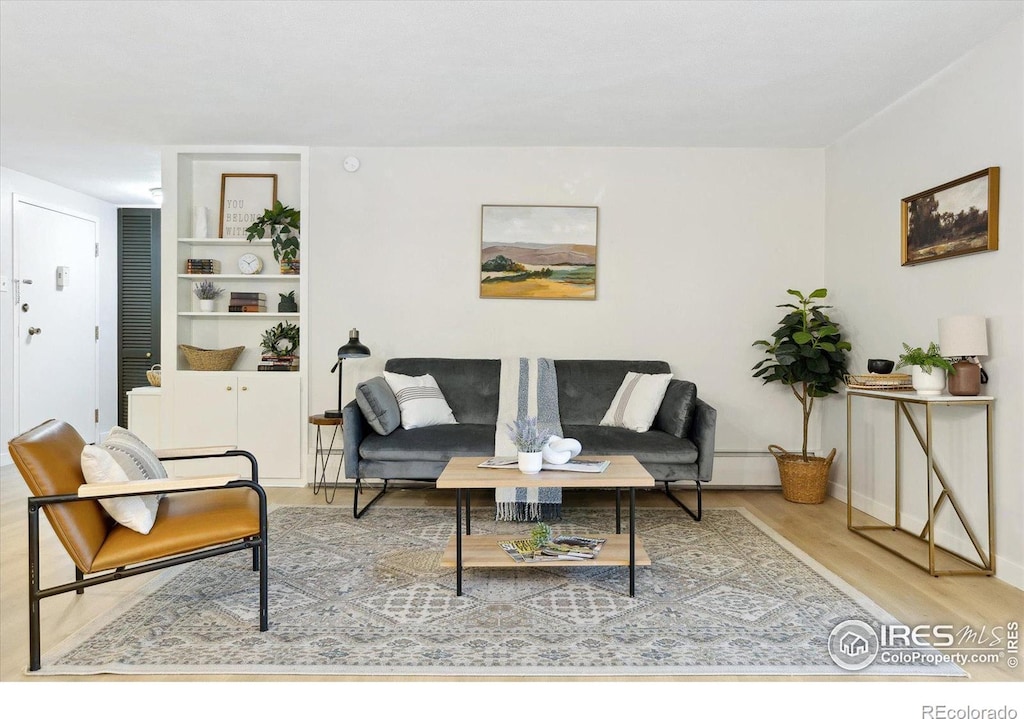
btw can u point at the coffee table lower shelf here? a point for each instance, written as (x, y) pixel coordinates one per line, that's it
(482, 550)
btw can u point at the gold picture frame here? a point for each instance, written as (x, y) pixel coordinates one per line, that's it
(958, 218)
(243, 198)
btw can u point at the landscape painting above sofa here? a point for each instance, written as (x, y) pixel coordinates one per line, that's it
(538, 252)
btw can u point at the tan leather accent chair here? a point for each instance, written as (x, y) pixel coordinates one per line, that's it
(198, 518)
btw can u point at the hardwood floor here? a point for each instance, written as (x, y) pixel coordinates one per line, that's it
(910, 594)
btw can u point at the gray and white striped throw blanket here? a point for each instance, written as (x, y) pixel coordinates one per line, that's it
(528, 389)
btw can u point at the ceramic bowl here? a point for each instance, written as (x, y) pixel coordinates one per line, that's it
(880, 366)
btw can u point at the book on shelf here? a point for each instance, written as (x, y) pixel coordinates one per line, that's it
(261, 296)
(593, 466)
(247, 308)
(278, 363)
(560, 548)
(202, 267)
(247, 303)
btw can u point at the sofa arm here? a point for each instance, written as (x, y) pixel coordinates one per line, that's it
(702, 433)
(354, 428)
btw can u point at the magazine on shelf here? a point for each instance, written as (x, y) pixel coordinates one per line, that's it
(559, 548)
(595, 466)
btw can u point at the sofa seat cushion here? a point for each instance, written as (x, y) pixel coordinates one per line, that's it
(437, 443)
(651, 446)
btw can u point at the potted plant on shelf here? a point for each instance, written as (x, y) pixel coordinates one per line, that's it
(287, 303)
(922, 363)
(529, 441)
(282, 223)
(807, 353)
(207, 292)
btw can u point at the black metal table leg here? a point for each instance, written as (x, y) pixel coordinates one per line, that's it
(458, 542)
(320, 465)
(618, 510)
(632, 540)
(468, 528)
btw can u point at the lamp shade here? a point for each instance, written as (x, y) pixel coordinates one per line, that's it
(354, 348)
(963, 336)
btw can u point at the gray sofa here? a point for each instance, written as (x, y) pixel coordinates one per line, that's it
(680, 446)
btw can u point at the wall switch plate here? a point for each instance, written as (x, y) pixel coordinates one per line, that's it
(4, 284)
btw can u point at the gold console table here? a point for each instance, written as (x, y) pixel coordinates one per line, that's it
(985, 563)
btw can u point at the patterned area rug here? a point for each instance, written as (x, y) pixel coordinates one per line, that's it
(725, 596)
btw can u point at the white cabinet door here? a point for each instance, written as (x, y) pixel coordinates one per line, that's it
(270, 421)
(206, 414)
(144, 415)
(257, 412)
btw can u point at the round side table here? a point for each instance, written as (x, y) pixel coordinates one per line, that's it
(322, 455)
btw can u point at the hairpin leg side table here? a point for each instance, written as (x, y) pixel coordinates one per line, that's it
(322, 454)
(986, 559)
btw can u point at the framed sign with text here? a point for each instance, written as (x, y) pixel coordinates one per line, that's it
(243, 198)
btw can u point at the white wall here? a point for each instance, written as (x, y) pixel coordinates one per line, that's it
(966, 118)
(11, 183)
(695, 249)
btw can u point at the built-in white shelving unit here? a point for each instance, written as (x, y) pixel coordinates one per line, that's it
(259, 411)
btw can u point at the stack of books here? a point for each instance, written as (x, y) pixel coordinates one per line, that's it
(197, 266)
(275, 363)
(247, 302)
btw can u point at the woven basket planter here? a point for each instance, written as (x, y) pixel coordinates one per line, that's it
(803, 481)
(211, 360)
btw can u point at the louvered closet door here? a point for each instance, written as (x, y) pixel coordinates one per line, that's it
(138, 270)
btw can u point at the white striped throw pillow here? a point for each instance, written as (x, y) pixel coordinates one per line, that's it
(420, 401)
(637, 401)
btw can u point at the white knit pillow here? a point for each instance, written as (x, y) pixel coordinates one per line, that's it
(420, 401)
(637, 401)
(100, 467)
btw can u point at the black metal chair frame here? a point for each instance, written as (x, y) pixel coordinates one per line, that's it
(357, 490)
(700, 510)
(258, 544)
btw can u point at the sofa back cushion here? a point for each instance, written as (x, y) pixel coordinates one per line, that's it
(469, 385)
(586, 388)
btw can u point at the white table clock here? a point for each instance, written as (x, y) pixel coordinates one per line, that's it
(250, 264)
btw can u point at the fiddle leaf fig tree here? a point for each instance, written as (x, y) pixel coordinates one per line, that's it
(807, 353)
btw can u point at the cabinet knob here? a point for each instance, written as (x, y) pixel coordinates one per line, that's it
(245, 389)
(228, 388)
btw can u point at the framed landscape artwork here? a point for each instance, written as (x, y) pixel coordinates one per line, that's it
(538, 252)
(958, 218)
(243, 198)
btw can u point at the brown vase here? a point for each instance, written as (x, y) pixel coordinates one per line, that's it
(966, 381)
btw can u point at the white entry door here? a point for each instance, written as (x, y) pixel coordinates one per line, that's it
(56, 349)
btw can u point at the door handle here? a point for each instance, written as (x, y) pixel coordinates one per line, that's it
(34, 331)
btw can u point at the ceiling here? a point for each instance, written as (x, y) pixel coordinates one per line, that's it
(89, 91)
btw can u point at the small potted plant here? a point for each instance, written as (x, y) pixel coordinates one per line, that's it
(807, 353)
(922, 363)
(207, 292)
(287, 303)
(529, 440)
(282, 223)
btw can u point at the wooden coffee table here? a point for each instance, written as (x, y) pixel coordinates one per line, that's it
(462, 473)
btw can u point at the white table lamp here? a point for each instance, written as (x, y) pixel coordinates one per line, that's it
(963, 338)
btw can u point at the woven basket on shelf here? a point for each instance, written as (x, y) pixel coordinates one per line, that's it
(803, 481)
(153, 375)
(211, 360)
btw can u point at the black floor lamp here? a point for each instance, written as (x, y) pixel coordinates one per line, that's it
(354, 349)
